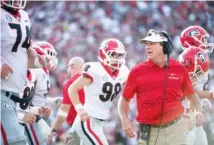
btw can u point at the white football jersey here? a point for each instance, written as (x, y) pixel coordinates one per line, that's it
(203, 80)
(27, 93)
(42, 86)
(103, 90)
(15, 40)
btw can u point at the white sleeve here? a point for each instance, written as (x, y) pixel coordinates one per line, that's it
(89, 71)
(202, 81)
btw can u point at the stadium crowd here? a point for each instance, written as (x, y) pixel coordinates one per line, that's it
(76, 29)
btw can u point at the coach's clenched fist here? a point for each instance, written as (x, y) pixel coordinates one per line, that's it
(6, 71)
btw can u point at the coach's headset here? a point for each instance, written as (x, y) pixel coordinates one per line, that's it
(167, 46)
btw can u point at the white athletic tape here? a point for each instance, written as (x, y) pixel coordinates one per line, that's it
(62, 113)
(78, 106)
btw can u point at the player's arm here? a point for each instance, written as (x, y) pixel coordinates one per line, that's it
(200, 85)
(61, 115)
(205, 94)
(77, 85)
(32, 56)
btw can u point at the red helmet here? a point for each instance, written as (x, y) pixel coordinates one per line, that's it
(196, 61)
(15, 4)
(112, 53)
(45, 48)
(196, 36)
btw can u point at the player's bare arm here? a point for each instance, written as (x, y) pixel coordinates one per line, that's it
(205, 94)
(74, 96)
(61, 115)
(60, 118)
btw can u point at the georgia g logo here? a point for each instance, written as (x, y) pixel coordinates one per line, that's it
(201, 57)
(193, 33)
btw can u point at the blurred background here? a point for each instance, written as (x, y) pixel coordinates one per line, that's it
(77, 29)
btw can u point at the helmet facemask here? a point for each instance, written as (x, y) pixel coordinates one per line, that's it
(54, 59)
(115, 59)
(202, 43)
(197, 73)
(112, 53)
(15, 4)
(205, 45)
(52, 55)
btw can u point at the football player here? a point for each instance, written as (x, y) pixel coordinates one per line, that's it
(39, 101)
(102, 82)
(197, 63)
(66, 110)
(197, 36)
(23, 108)
(42, 74)
(27, 113)
(16, 57)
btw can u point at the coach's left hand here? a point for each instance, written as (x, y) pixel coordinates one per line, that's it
(128, 127)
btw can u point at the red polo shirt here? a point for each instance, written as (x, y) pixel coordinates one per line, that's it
(66, 100)
(147, 80)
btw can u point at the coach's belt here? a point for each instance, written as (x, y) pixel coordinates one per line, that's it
(167, 124)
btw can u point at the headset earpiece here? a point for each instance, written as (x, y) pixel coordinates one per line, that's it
(167, 46)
